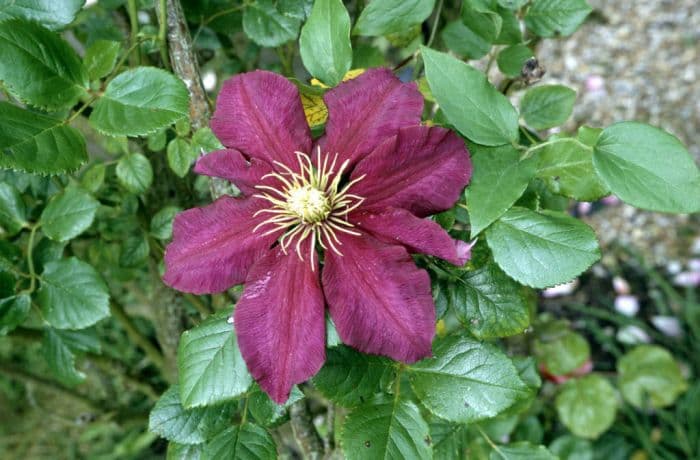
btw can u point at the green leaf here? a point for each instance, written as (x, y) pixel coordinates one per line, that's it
(324, 43)
(547, 106)
(157, 140)
(46, 251)
(489, 303)
(162, 222)
(246, 442)
(13, 311)
(205, 141)
(93, 178)
(68, 214)
(181, 155)
(60, 358)
(569, 447)
(186, 426)
(463, 41)
(384, 17)
(512, 4)
(13, 211)
(499, 179)
(552, 18)
(542, 249)
(267, 26)
(469, 101)
(53, 14)
(482, 21)
(567, 166)
(466, 380)
(522, 451)
(72, 294)
(38, 66)
(511, 59)
(36, 143)
(386, 428)
(562, 352)
(100, 58)
(349, 377)
(135, 173)
(265, 411)
(134, 250)
(648, 168)
(587, 406)
(184, 451)
(140, 101)
(211, 367)
(649, 376)
(511, 34)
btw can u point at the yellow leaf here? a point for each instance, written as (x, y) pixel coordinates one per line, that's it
(314, 108)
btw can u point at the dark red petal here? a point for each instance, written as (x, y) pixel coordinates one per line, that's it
(365, 111)
(380, 302)
(260, 114)
(280, 322)
(230, 164)
(421, 169)
(394, 225)
(214, 247)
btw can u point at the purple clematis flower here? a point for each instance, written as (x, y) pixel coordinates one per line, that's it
(354, 200)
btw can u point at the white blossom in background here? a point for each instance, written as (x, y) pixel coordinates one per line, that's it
(687, 279)
(209, 80)
(668, 325)
(620, 285)
(627, 305)
(632, 335)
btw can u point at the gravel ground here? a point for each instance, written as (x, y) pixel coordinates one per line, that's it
(637, 60)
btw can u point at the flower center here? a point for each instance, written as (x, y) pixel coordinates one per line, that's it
(309, 203)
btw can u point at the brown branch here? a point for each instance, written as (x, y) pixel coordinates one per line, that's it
(304, 431)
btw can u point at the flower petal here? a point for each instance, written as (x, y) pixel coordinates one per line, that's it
(230, 164)
(260, 114)
(280, 322)
(214, 247)
(393, 225)
(379, 300)
(365, 111)
(422, 169)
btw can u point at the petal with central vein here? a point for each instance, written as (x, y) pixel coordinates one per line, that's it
(421, 169)
(366, 110)
(393, 225)
(213, 247)
(380, 302)
(260, 114)
(280, 322)
(230, 164)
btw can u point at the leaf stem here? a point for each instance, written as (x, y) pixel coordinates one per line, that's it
(30, 259)
(153, 354)
(530, 151)
(163, 33)
(134, 26)
(244, 417)
(490, 442)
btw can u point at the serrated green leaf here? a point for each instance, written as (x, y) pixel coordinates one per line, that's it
(267, 26)
(72, 294)
(68, 214)
(386, 17)
(267, 412)
(100, 58)
(135, 173)
(324, 43)
(510, 60)
(13, 211)
(449, 440)
(563, 352)
(648, 168)
(36, 143)
(186, 426)
(211, 367)
(162, 222)
(386, 428)
(134, 251)
(246, 442)
(542, 249)
(522, 451)
(469, 101)
(552, 18)
(38, 66)
(53, 14)
(499, 179)
(649, 376)
(466, 380)
(184, 451)
(61, 359)
(587, 406)
(13, 311)
(140, 101)
(349, 377)
(547, 106)
(181, 155)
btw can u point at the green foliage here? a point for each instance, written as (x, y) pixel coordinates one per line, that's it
(511, 59)
(245, 442)
(391, 16)
(13, 212)
(181, 155)
(561, 350)
(650, 377)
(547, 106)
(135, 173)
(549, 18)
(522, 450)
(587, 405)
(68, 214)
(101, 58)
(266, 25)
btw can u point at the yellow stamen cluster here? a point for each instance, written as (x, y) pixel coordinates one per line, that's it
(310, 204)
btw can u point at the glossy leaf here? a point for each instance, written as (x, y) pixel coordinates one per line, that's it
(649, 376)
(386, 17)
(267, 26)
(53, 14)
(101, 57)
(181, 155)
(162, 222)
(13, 311)
(72, 294)
(140, 101)
(68, 214)
(587, 406)
(462, 40)
(386, 428)
(135, 173)
(551, 18)
(547, 106)
(134, 250)
(542, 249)
(648, 168)
(522, 451)
(510, 60)
(246, 442)
(466, 381)
(13, 211)
(267, 412)
(469, 101)
(60, 358)
(38, 66)
(211, 368)
(36, 143)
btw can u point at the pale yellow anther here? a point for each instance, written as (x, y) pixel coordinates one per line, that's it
(309, 203)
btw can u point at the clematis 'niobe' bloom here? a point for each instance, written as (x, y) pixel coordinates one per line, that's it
(327, 222)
